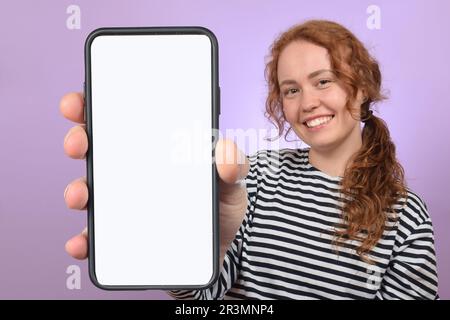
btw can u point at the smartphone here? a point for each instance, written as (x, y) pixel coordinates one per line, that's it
(152, 112)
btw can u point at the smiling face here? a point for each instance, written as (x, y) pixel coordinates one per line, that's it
(308, 92)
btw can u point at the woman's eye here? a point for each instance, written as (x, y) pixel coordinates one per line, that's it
(288, 91)
(292, 90)
(323, 82)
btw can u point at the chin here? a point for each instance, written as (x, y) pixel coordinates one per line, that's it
(319, 143)
(307, 138)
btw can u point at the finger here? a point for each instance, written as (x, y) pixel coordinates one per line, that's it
(77, 246)
(232, 163)
(76, 143)
(76, 194)
(72, 107)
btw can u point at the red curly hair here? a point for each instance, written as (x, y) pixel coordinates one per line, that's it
(374, 180)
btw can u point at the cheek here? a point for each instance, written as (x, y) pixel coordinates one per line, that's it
(290, 111)
(336, 97)
(347, 121)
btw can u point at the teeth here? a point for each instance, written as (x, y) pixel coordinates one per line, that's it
(318, 121)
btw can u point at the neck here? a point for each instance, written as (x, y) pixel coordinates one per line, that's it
(334, 160)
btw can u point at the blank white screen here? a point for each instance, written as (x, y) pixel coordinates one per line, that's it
(151, 109)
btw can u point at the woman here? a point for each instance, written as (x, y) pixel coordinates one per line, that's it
(333, 221)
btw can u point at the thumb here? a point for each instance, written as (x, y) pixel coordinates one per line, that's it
(232, 163)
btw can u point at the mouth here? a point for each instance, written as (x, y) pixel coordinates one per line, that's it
(319, 123)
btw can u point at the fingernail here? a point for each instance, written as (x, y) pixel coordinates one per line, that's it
(71, 130)
(65, 191)
(66, 137)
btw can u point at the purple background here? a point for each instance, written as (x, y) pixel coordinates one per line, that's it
(41, 59)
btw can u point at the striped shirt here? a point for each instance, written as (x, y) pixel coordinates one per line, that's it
(284, 247)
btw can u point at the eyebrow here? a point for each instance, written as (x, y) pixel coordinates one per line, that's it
(311, 75)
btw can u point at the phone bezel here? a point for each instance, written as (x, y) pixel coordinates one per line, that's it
(215, 102)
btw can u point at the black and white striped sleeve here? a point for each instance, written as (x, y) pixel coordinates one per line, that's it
(412, 272)
(232, 259)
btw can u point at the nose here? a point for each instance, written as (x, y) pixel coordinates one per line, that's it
(308, 101)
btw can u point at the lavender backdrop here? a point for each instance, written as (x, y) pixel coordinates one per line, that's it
(42, 58)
